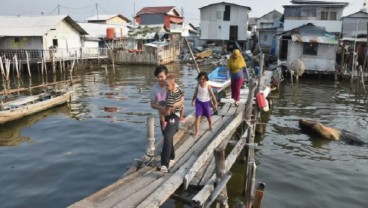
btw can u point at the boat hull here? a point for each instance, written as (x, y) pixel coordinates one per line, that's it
(219, 79)
(27, 109)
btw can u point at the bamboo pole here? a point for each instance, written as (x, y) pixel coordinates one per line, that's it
(191, 54)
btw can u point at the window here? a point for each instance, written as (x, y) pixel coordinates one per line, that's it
(333, 15)
(310, 49)
(324, 15)
(265, 37)
(327, 14)
(227, 13)
(219, 15)
(16, 40)
(54, 42)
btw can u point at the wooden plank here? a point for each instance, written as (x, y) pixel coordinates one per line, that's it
(225, 108)
(209, 150)
(161, 194)
(201, 197)
(186, 150)
(210, 170)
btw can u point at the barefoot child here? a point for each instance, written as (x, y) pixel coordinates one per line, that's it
(174, 105)
(202, 101)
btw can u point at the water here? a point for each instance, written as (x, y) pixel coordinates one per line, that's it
(306, 171)
(59, 156)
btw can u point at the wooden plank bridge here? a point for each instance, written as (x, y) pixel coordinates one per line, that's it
(195, 165)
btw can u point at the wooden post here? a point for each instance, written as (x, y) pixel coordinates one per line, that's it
(150, 136)
(113, 61)
(28, 66)
(16, 65)
(42, 66)
(220, 173)
(7, 69)
(53, 61)
(259, 195)
(2, 67)
(191, 54)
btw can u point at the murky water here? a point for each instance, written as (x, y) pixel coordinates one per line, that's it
(59, 156)
(306, 171)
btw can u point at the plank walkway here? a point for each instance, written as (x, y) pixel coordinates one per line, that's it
(194, 164)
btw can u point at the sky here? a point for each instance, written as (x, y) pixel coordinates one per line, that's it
(80, 10)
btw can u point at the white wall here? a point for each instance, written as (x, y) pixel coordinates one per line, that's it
(66, 35)
(325, 59)
(331, 26)
(213, 28)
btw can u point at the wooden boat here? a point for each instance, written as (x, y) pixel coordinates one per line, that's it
(22, 107)
(219, 79)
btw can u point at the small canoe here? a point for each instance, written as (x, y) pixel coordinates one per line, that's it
(219, 79)
(22, 107)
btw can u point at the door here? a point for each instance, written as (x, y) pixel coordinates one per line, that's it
(233, 32)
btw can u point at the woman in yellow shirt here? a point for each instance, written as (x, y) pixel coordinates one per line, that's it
(235, 65)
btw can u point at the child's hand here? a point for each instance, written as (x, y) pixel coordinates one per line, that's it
(193, 103)
(215, 106)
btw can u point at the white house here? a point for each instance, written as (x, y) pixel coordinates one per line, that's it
(320, 13)
(224, 22)
(39, 33)
(312, 45)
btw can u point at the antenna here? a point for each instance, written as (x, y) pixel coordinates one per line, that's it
(97, 10)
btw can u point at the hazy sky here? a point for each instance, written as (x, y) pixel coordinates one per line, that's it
(82, 9)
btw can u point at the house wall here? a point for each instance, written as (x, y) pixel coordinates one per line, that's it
(333, 26)
(151, 19)
(67, 37)
(213, 27)
(324, 60)
(352, 26)
(24, 43)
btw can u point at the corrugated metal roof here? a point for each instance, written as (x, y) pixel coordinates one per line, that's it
(155, 10)
(33, 26)
(157, 44)
(314, 39)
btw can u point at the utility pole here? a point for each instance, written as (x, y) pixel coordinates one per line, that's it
(97, 10)
(58, 9)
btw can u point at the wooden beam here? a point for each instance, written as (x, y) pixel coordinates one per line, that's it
(43, 85)
(209, 150)
(217, 191)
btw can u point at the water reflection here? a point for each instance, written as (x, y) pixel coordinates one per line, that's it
(11, 132)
